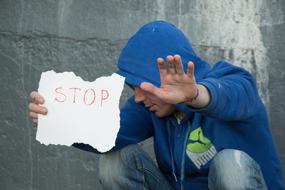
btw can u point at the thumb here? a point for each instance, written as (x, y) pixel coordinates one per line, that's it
(150, 88)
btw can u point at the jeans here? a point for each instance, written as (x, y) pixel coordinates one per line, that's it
(132, 168)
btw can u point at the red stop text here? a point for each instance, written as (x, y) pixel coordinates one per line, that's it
(78, 95)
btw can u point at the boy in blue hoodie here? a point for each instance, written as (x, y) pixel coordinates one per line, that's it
(209, 125)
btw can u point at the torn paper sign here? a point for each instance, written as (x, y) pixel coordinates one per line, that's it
(80, 111)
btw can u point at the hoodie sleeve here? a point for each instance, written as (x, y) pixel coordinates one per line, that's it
(136, 124)
(234, 95)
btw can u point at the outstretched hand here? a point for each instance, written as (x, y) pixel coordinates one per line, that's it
(176, 85)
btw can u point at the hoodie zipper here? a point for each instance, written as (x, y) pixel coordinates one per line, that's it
(182, 173)
(179, 131)
(170, 149)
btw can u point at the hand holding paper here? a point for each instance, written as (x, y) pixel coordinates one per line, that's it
(80, 111)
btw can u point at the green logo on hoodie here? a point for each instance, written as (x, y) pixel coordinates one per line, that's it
(198, 143)
(199, 148)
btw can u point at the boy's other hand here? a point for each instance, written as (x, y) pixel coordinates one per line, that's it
(35, 107)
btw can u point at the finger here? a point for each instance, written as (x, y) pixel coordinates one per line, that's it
(148, 87)
(35, 121)
(162, 70)
(190, 71)
(151, 96)
(178, 65)
(33, 115)
(37, 109)
(37, 98)
(170, 64)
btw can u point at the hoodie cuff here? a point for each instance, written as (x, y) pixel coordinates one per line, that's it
(212, 85)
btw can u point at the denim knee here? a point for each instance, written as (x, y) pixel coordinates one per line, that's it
(130, 168)
(115, 167)
(236, 170)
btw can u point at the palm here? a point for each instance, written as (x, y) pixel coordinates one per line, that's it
(176, 86)
(176, 90)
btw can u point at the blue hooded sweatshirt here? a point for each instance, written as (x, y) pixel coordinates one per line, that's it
(234, 119)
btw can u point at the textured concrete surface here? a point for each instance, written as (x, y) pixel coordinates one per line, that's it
(86, 37)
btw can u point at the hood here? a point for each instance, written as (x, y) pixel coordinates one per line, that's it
(137, 62)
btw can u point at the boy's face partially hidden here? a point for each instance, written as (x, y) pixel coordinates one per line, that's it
(154, 104)
(142, 97)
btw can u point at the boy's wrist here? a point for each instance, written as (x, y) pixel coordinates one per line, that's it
(196, 96)
(201, 99)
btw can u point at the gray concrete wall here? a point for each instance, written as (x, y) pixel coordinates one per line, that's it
(87, 36)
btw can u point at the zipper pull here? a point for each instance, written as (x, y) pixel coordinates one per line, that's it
(174, 176)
